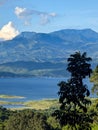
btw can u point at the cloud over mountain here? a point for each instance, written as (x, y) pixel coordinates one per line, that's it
(8, 31)
(26, 15)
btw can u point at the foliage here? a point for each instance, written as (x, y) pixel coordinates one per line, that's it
(43, 104)
(54, 123)
(73, 95)
(94, 110)
(4, 115)
(94, 78)
(8, 117)
(10, 96)
(27, 120)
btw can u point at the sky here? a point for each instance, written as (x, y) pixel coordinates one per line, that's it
(46, 16)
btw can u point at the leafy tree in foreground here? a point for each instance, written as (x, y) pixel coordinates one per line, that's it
(73, 95)
(27, 120)
(4, 115)
(94, 78)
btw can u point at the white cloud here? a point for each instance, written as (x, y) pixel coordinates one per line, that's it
(20, 12)
(24, 14)
(27, 15)
(53, 14)
(46, 17)
(8, 31)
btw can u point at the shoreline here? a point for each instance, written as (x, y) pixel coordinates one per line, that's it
(3, 96)
(31, 104)
(41, 104)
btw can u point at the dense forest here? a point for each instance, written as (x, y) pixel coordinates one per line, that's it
(38, 119)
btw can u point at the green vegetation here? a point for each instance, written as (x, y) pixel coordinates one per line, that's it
(94, 79)
(42, 105)
(10, 96)
(10, 103)
(42, 119)
(73, 113)
(3, 102)
(27, 120)
(37, 105)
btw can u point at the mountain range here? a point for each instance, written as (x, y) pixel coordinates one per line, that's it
(45, 54)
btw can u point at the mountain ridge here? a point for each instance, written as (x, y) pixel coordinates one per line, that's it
(42, 48)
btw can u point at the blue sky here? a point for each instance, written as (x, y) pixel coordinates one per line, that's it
(46, 16)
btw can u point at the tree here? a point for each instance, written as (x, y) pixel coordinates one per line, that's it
(94, 79)
(27, 120)
(73, 95)
(4, 115)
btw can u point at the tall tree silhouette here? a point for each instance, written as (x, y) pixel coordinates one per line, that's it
(73, 94)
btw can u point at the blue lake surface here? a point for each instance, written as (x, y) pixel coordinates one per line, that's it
(32, 88)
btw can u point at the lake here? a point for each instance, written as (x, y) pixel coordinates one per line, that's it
(31, 88)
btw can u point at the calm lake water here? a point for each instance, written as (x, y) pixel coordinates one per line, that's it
(31, 88)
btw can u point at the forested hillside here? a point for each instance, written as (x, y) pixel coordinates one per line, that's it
(44, 54)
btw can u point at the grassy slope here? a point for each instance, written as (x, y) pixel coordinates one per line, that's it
(43, 104)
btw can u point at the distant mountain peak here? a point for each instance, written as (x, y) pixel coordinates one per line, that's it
(25, 34)
(75, 30)
(49, 46)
